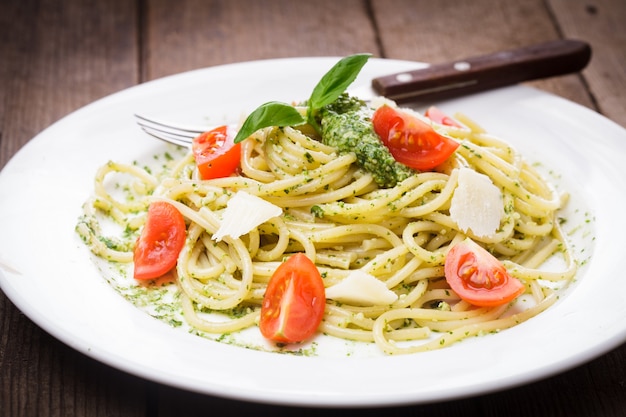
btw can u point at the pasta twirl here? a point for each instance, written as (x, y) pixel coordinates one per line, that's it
(335, 213)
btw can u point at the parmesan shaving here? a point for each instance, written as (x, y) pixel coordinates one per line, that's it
(243, 213)
(477, 204)
(361, 288)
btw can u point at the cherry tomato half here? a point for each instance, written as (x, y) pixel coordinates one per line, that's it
(216, 153)
(294, 301)
(436, 115)
(478, 277)
(160, 242)
(410, 140)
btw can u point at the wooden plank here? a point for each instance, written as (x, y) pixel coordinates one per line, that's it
(569, 393)
(438, 31)
(57, 57)
(197, 34)
(177, 403)
(601, 23)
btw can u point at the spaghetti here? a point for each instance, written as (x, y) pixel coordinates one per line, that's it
(336, 214)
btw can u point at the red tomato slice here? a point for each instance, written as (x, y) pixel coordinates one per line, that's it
(436, 115)
(216, 153)
(294, 301)
(161, 240)
(478, 277)
(411, 141)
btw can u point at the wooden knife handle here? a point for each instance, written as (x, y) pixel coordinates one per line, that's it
(485, 72)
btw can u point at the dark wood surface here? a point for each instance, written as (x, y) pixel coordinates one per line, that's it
(56, 56)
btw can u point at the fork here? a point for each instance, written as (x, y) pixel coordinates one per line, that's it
(442, 81)
(172, 133)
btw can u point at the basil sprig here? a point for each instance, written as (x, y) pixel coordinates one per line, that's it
(273, 113)
(332, 84)
(327, 90)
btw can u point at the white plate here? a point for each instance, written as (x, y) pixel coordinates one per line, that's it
(49, 275)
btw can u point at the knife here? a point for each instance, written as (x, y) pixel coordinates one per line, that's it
(485, 72)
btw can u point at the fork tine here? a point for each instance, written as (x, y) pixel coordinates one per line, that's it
(176, 134)
(194, 131)
(168, 137)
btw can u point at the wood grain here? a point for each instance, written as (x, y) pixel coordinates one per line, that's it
(445, 30)
(58, 56)
(197, 34)
(601, 23)
(484, 72)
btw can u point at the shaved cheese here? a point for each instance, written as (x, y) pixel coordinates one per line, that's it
(243, 213)
(361, 288)
(477, 204)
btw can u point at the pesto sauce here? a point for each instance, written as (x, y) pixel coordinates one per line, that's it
(162, 300)
(352, 131)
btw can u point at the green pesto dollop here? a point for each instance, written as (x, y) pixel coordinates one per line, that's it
(348, 128)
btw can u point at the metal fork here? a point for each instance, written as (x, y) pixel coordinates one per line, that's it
(173, 133)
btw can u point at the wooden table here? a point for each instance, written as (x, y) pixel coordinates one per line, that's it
(56, 56)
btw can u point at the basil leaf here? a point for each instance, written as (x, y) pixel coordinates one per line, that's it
(272, 113)
(336, 80)
(327, 90)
